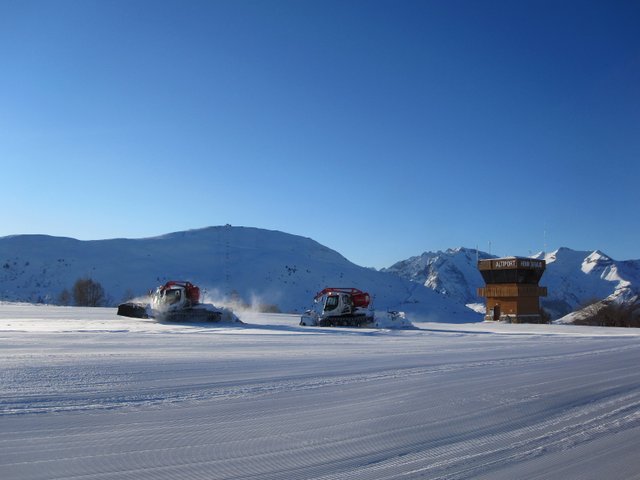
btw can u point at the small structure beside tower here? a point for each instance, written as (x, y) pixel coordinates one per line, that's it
(512, 290)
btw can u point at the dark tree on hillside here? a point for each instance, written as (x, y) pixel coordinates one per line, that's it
(611, 314)
(64, 298)
(87, 293)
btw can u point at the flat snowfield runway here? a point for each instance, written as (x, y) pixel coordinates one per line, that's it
(85, 394)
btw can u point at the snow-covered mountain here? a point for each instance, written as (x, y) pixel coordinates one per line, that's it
(572, 277)
(452, 273)
(275, 268)
(258, 266)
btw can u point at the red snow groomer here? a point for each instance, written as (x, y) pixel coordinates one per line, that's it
(177, 301)
(340, 307)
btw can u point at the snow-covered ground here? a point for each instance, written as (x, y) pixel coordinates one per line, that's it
(87, 394)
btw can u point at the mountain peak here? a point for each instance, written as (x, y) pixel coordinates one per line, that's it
(597, 256)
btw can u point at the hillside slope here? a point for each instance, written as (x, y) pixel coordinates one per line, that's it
(254, 265)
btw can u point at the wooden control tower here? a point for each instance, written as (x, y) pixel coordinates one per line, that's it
(512, 290)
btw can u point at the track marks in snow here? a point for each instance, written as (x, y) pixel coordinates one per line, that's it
(76, 388)
(349, 438)
(326, 407)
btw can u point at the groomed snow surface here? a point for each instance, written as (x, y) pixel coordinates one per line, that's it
(85, 394)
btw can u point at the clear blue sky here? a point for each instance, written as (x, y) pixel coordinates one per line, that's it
(379, 128)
